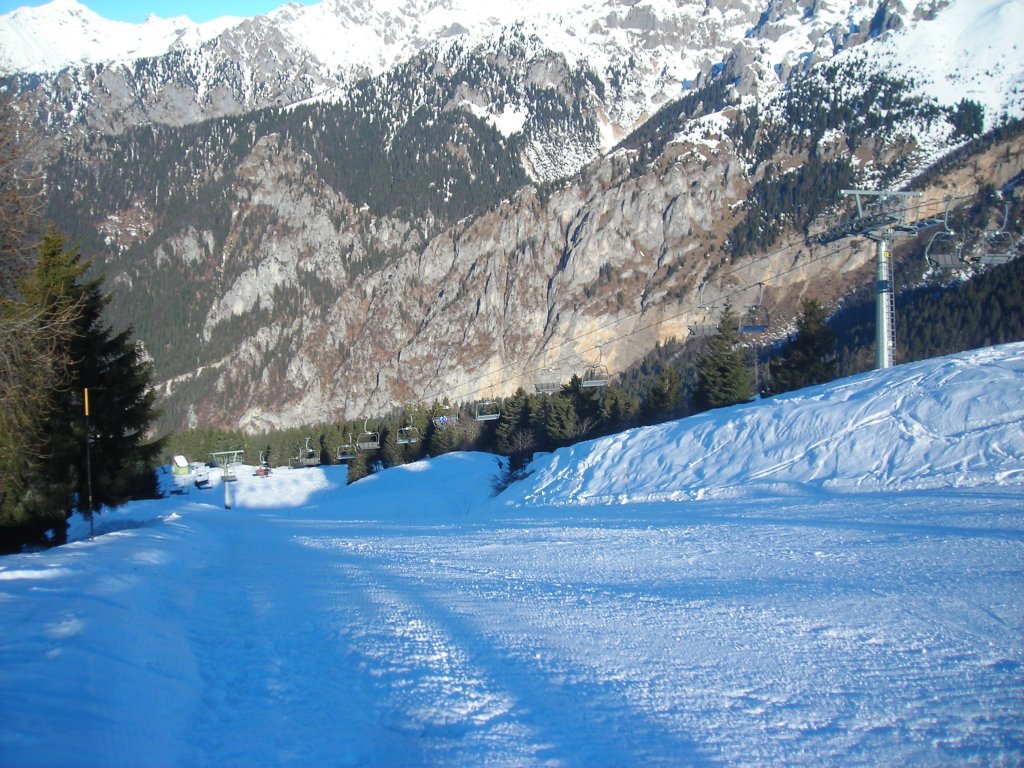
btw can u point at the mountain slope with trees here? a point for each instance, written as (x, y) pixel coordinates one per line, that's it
(448, 227)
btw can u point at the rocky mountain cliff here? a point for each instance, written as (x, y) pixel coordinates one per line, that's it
(517, 196)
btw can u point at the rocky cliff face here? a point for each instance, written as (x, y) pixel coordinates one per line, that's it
(599, 270)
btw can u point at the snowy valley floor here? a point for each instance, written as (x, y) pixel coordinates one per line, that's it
(832, 577)
(870, 629)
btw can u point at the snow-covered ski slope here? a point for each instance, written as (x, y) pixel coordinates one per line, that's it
(833, 577)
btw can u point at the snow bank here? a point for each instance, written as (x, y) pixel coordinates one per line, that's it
(451, 484)
(948, 422)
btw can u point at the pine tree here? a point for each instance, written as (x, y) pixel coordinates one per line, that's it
(722, 375)
(513, 415)
(391, 453)
(618, 409)
(357, 467)
(121, 410)
(561, 427)
(663, 399)
(810, 358)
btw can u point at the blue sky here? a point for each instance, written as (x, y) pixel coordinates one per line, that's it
(136, 11)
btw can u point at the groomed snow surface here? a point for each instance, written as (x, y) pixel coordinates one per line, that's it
(832, 577)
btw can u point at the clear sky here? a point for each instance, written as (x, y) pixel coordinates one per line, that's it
(136, 11)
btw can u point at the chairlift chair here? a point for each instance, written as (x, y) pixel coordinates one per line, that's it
(998, 248)
(263, 469)
(407, 435)
(202, 478)
(311, 458)
(703, 327)
(945, 249)
(368, 441)
(487, 410)
(707, 325)
(445, 417)
(347, 451)
(595, 374)
(755, 319)
(547, 381)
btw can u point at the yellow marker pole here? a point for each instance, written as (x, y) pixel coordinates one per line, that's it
(88, 464)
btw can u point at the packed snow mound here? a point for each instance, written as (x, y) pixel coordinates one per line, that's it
(946, 422)
(453, 483)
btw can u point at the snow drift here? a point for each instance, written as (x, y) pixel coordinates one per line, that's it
(951, 422)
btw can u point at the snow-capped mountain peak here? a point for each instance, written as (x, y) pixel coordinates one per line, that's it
(64, 33)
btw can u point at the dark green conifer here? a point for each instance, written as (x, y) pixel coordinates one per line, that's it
(722, 375)
(119, 462)
(810, 357)
(561, 426)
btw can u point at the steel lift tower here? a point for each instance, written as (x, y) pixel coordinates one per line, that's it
(881, 217)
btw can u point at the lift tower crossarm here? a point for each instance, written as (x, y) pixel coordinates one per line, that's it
(880, 226)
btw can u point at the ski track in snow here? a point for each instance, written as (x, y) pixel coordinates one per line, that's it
(410, 619)
(864, 630)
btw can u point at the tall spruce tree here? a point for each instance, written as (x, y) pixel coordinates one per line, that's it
(722, 375)
(357, 467)
(118, 463)
(561, 425)
(618, 409)
(809, 358)
(662, 401)
(515, 435)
